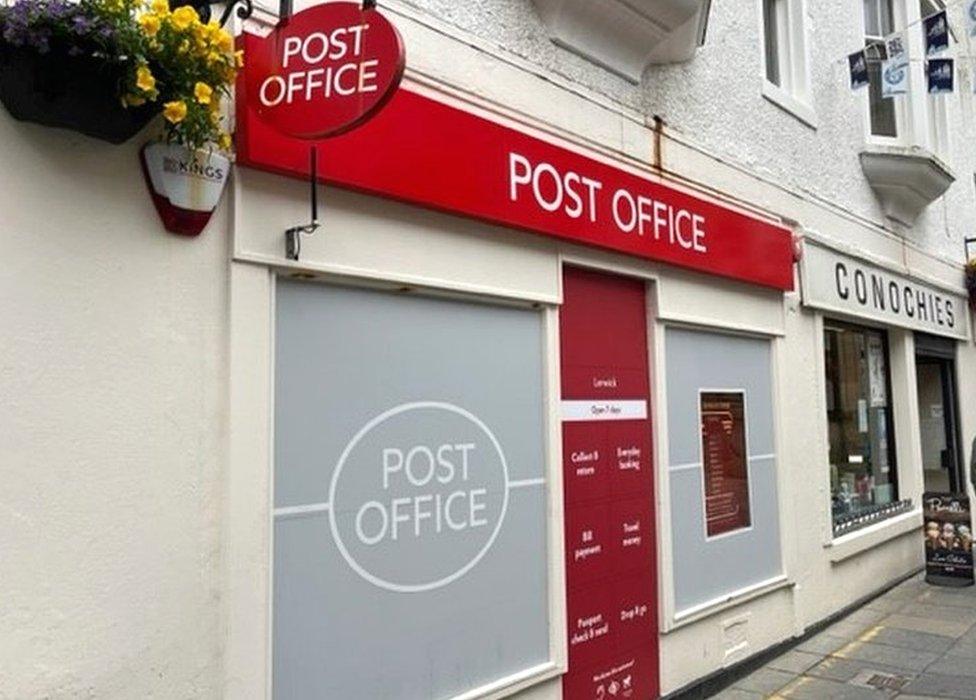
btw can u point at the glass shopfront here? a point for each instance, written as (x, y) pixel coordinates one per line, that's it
(863, 477)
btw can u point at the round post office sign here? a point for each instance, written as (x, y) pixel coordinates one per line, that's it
(324, 71)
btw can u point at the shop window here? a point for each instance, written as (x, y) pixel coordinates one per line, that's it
(722, 467)
(863, 478)
(785, 57)
(410, 507)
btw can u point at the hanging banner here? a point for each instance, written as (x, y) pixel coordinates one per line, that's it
(894, 77)
(857, 64)
(939, 72)
(936, 30)
(948, 539)
(896, 46)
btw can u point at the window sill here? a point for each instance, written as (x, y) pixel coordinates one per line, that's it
(847, 546)
(788, 103)
(905, 180)
(513, 684)
(743, 595)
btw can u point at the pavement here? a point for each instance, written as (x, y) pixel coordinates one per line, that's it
(915, 642)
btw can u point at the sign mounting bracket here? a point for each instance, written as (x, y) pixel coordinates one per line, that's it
(293, 240)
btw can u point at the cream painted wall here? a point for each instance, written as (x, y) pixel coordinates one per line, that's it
(112, 428)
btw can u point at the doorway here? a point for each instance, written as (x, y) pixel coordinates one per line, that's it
(608, 486)
(935, 371)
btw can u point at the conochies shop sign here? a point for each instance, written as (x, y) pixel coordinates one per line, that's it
(325, 70)
(844, 284)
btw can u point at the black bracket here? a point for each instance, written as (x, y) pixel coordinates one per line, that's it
(285, 7)
(245, 9)
(293, 235)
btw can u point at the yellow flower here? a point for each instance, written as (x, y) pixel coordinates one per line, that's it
(202, 92)
(144, 79)
(184, 16)
(225, 142)
(225, 42)
(149, 24)
(239, 59)
(160, 7)
(175, 112)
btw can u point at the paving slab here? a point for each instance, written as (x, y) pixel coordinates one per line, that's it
(963, 649)
(949, 597)
(895, 657)
(795, 661)
(837, 669)
(765, 680)
(946, 628)
(940, 612)
(887, 605)
(943, 686)
(822, 643)
(911, 639)
(738, 694)
(806, 688)
(955, 666)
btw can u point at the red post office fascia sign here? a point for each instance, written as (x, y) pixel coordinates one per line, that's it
(423, 151)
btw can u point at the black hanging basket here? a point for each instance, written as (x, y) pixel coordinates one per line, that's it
(80, 93)
(971, 283)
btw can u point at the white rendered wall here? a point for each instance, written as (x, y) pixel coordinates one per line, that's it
(112, 403)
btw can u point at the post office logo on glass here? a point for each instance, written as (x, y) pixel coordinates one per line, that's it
(427, 481)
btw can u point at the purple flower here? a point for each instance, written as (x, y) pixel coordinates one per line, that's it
(81, 24)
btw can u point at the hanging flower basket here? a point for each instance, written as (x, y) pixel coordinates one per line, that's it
(80, 93)
(185, 184)
(72, 65)
(971, 283)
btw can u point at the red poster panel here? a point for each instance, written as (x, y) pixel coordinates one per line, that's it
(611, 576)
(725, 467)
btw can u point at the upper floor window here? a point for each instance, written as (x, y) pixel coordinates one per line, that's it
(785, 67)
(879, 22)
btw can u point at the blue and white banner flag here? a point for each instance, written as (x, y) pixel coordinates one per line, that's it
(857, 63)
(896, 46)
(940, 73)
(894, 78)
(936, 30)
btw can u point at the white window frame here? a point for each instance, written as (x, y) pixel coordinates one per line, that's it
(902, 120)
(920, 119)
(248, 539)
(793, 94)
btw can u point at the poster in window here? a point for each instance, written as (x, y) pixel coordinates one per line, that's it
(877, 377)
(724, 462)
